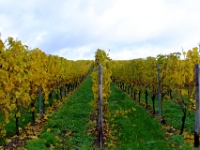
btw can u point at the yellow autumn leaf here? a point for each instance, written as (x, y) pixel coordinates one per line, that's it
(33, 137)
(17, 94)
(33, 109)
(133, 109)
(48, 130)
(69, 133)
(12, 106)
(45, 117)
(8, 140)
(126, 111)
(194, 107)
(122, 113)
(110, 145)
(2, 132)
(184, 92)
(29, 132)
(105, 95)
(18, 115)
(192, 100)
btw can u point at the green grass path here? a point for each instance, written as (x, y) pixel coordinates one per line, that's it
(136, 129)
(67, 128)
(172, 112)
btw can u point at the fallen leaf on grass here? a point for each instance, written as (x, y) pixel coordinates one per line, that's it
(33, 137)
(45, 117)
(133, 109)
(8, 140)
(48, 130)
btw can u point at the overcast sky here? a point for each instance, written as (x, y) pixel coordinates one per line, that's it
(75, 29)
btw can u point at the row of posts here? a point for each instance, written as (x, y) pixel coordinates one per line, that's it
(197, 112)
(197, 98)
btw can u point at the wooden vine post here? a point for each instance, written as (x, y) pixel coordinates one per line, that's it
(40, 102)
(197, 113)
(100, 109)
(159, 95)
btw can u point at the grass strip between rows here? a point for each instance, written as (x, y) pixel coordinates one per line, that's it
(67, 128)
(134, 127)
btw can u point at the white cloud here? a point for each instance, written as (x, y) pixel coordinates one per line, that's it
(76, 29)
(128, 53)
(77, 53)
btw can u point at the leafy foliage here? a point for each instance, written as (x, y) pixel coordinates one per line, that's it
(24, 71)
